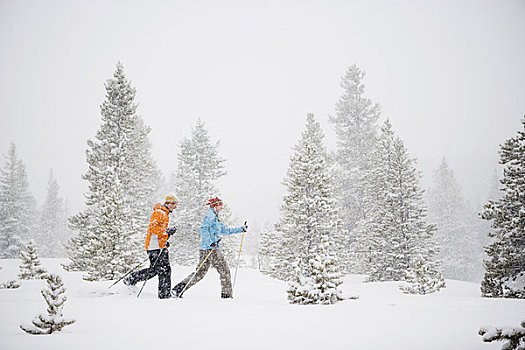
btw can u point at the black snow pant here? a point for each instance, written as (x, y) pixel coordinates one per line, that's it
(160, 267)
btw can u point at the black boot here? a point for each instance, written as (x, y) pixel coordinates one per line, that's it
(176, 292)
(226, 296)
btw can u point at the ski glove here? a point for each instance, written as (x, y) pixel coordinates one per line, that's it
(244, 227)
(214, 244)
(171, 230)
(167, 245)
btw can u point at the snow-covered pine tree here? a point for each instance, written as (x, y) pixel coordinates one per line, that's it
(505, 267)
(78, 258)
(456, 235)
(494, 186)
(113, 244)
(423, 277)
(283, 255)
(145, 180)
(396, 217)
(299, 286)
(325, 276)
(31, 267)
(356, 129)
(514, 336)
(121, 178)
(484, 226)
(15, 205)
(53, 231)
(321, 286)
(310, 221)
(12, 284)
(199, 167)
(378, 250)
(54, 320)
(268, 249)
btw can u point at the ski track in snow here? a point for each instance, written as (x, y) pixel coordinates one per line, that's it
(259, 317)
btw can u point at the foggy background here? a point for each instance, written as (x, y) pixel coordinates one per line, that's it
(450, 76)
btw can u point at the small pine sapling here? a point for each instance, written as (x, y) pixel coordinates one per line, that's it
(53, 321)
(515, 337)
(299, 287)
(31, 267)
(325, 275)
(13, 284)
(423, 278)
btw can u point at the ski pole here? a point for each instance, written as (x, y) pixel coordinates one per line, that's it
(198, 268)
(130, 271)
(238, 260)
(157, 260)
(155, 264)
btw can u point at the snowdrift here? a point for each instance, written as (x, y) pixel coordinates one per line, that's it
(259, 316)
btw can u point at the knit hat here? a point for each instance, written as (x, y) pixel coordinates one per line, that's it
(213, 202)
(171, 199)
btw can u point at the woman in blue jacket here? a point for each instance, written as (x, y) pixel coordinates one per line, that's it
(210, 253)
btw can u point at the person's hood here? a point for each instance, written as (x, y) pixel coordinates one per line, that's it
(161, 207)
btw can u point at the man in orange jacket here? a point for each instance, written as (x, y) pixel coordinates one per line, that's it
(156, 245)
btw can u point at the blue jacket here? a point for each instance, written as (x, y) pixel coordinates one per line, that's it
(211, 228)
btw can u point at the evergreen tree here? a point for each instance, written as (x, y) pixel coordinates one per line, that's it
(267, 252)
(456, 234)
(145, 181)
(53, 231)
(199, 167)
(325, 277)
(423, 277)
(283, 256)
(396, 216)
(78, 257)
(310, 221)
(321, 286)
(31, 267)
(379, 236)
(299, 286)
(494, 188)
(484, 226)
(356, 129)
(13, 284)
(514, 337)
(378, 251)
(15, 205)
(54, 320)
(505, 267)
(121, 177)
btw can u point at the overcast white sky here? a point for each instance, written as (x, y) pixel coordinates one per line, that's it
(450, 75)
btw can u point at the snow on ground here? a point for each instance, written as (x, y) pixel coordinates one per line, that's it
(259, 316)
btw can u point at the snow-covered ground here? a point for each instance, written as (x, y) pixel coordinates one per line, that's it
(258, 318)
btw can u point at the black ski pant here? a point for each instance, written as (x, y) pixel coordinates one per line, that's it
(158, 266)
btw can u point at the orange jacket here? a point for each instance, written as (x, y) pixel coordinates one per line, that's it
(156, 236)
